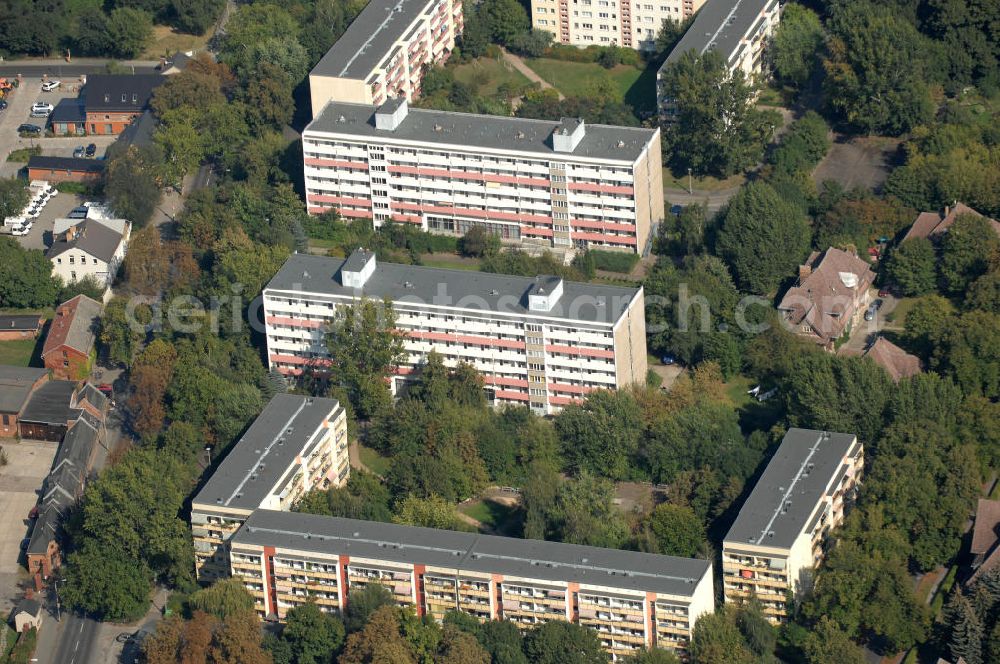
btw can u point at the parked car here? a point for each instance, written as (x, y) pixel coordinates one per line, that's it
(40, 113)
(20, 230)
(3, 104)
(885, 291)
(668, 359)
(871, 311)
(764, 396)
(91, 150)
(877, 304)
(49, 86)
(29, 129)
(42, 106)
(80, 152)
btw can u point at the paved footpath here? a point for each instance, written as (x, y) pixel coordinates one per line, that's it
(518, 64)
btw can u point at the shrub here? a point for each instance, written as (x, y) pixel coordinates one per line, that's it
(24, 154)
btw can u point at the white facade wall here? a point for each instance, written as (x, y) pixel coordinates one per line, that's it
(578, 357)
(444, 189)
(632, 24)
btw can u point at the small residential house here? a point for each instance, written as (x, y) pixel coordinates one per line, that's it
(176, 63)
(897, 362)
(92, 247)
(68, 117)
(831, 294)
(70, 339)
(112, 101)
(13, 328)
(984, 548)
(86, 411)
(17, 384)
(27, 614)
(64, 169)
(933, 224)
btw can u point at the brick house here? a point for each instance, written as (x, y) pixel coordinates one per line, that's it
(933, 224)
(70, 340)
(831, 294)
(17, 384)
(112, 101)
(64, 169)
(84, 412)
(13, 328)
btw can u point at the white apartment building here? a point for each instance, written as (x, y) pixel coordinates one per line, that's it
(609, 22)
(382, 53)
(778, 538)
(296, 444)
(551, 184)
(541, 342)
(633, 600)
(738, 30)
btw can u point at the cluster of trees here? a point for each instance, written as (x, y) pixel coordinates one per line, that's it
(715, 128)
(440, 90)
(119, 28)
(877, 60)
(971, 630)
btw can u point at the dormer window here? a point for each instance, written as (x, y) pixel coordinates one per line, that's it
(135, 98)
(124, 97)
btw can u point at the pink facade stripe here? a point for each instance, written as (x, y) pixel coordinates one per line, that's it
(355, 213)
(511, 396)
(467, 212)
(465, 175)
(599, 237)
(335, 163)
(295, 359)
(466, 339)
(572, 389)
(602, 225)
(341, 200)
(408, 218)
(502, 380)
(601, 188)
(586, 352)
(293, 322)
(531, 230)
(564, 401)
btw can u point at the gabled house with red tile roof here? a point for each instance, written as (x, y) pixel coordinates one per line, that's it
(897, 362)
(70, 341)
(984, 548)
(831, 294)
(932, 224)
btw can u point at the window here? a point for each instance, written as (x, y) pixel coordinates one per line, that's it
(72, 260)
(124, 97)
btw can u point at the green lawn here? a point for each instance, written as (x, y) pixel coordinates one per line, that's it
(449, 261)
(736, 390)
(679, 182)
(375, 462)
(20, 353)
(486, 75)
(579, 79)
(491, 514)
(167, 41)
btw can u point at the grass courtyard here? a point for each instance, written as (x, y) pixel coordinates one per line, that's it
(486, 75)
(20, 353)
(634, 86)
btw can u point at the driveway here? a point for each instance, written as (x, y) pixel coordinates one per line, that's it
(21, 481)
(864, 332)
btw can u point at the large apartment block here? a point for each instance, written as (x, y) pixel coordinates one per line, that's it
(778, 538)
(541, 342)
(633, 600)
(296, 444)
(538, 182)
(739, 31)
(609, 22)
(384, 50)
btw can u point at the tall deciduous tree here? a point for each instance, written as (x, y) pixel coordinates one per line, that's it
(132, 182)
(715, 130)
(365, 348)
(222, 599)
(677, 530)
(797, 45)
(314, 636)
(25, 277)
(14, 197)
(763, 238)
(558, 642)
(876, 69)
(601, 435)
(967, 250)
(911, 266)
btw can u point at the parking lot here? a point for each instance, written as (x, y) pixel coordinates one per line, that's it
(19, 112)
(28, 463)
(40, 235)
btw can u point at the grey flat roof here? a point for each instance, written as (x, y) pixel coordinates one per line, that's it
(719, 25)
(368, 38)
(472, 552)
(792, 484)
(255, 464)
(484, 291)
(469, 131)
(50, 404)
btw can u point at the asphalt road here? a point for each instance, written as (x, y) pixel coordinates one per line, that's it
(78, 640)
(35, 71)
